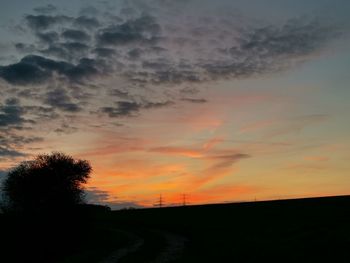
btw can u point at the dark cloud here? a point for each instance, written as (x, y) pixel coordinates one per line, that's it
(141, 30)
(130, 109)
(34, 69)
(13, 140)
(135, 53)
(124, 108)
(75, 49)
(3, 173)
(121, 94)
(56, 50)
(86, 22)
(11, 114)
(66, 129)
(271, 48)
(9, 153)
(48, 37)
(11, 144)
(58, 98)
(96, 196)
(175, 76)
(149, 53)
(85, 68)
(104, 52)
(163, 70)
(296, 37)
(76, 35)
(24, 73)
(43, 22)
(154, 105)
(25, 48)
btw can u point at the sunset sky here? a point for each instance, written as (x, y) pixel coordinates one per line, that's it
(220, 100)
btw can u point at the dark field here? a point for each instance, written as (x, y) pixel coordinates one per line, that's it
(303, 230)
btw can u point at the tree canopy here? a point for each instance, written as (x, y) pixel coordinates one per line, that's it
(49, 181)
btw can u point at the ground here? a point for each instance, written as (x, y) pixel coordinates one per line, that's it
(305, 230)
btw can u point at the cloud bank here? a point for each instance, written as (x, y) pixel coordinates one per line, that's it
(148, 51)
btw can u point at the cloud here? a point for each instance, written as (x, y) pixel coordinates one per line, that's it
(145, 47)
(227, 160)
(218, 162)
(95, 195)
(48, 37)
(34, 69)
(3, 173)
(296, 37)
(9, 153)
(86, 22)
(142, 30)
(219, 158)
(47, 9)
(124, 108)
(192, 100)
(129, 109)
(75, 48)
(43, 22)
(271, 48)
(152, 50)
(23, 73)
(104, 52)
(58, 98)
(11, 114)
(25, 48)
(76, 35)
(155, 105)
(13, 140)
(12, 145)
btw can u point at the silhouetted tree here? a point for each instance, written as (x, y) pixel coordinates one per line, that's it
(50, 181)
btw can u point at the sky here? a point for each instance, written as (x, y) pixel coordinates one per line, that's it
(222, 102)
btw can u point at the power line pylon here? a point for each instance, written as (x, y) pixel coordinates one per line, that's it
(184, 203)
(160, 202)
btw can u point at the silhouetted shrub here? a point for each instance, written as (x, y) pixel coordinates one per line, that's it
(49, 182)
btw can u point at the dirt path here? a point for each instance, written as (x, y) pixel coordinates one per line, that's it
(175, 245)
(136, 243)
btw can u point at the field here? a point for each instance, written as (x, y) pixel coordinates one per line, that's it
(301, 230)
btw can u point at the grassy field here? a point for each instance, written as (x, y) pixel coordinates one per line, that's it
(303, 230)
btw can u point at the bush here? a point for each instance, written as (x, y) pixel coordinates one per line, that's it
(49, 182)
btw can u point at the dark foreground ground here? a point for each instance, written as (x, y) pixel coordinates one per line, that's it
(303, 230)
